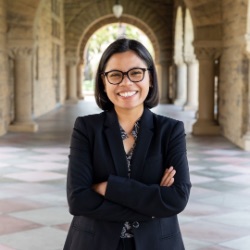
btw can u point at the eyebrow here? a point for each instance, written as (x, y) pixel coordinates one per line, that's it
(135, 67)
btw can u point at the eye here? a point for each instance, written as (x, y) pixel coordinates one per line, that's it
(114, 74)
(135, 72)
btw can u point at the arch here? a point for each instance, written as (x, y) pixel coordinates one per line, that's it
(108, 20)
(84, 19)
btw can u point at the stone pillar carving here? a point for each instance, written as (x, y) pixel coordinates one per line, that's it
(72, 81)
(192, 85)
(79, 80)
(181, 84)
(23, 121)
(206, 123)
(163, 81)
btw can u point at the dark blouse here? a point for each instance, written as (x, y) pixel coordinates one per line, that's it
(127, 228)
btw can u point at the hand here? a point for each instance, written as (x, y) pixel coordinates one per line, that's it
(168, 177)
(100, 188)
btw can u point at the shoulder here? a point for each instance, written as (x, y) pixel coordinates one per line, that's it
(151, 119)
(92, 117)
(93, 120)
(164, 125)
(165, 120)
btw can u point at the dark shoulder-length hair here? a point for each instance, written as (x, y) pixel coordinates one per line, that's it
(119, 46)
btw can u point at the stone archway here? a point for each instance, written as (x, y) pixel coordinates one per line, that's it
(101, 23)
(162, 69)
(150, 22)
(126, 19)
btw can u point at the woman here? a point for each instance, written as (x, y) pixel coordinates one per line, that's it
(128, 175)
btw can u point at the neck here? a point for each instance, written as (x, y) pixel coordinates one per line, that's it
(128, 115)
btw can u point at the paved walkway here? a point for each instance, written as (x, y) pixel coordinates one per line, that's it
(33, 207)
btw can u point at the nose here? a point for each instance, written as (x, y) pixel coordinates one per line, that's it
(126, 80)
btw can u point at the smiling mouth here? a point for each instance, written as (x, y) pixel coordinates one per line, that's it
(127, 94)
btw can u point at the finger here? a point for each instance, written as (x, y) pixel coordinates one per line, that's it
(168, 182)
(167, 178)
(168, 173)
(168, 170)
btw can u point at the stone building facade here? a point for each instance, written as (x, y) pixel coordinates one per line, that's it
(202, 52)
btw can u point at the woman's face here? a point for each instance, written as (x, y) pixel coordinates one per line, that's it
(127, 95)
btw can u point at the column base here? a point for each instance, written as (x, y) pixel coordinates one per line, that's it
(188, 107)
(206, 127)
(81, 97)
(2, 129)
(165, 101)
(29, 127)
(72, 101)
(179, 102)
(246, 141)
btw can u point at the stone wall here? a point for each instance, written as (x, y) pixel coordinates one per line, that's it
(156, 19)
(4, 92)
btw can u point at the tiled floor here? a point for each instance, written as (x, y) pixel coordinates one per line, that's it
(33, 207)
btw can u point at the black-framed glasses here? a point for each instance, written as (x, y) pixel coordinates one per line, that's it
(116, 76)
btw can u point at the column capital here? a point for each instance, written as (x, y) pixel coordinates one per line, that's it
(71, 61)
(20, 52)
(189, 59)
(207, 53)
(70, 57)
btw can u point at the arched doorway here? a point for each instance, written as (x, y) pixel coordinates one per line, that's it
(95, 46)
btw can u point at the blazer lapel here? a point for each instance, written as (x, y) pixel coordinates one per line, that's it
(142, 144)
(113, 135)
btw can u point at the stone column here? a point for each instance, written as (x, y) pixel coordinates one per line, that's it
(23, 91)
(246, 136)
(4, 90)
(192, 86)
(72, 82)
(79, 80)
(206, 124)
(181, 84)
(163, 81)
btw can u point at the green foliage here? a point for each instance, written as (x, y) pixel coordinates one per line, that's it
(88, 85)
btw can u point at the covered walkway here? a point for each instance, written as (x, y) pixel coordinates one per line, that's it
(33, 206)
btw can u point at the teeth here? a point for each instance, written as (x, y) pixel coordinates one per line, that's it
(127, 94)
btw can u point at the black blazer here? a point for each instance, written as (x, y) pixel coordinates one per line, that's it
(97, 154)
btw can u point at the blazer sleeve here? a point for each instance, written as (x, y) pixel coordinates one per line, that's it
(82, 199)
(154, 200)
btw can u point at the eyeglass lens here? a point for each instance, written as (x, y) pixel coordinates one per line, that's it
(134, 75)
